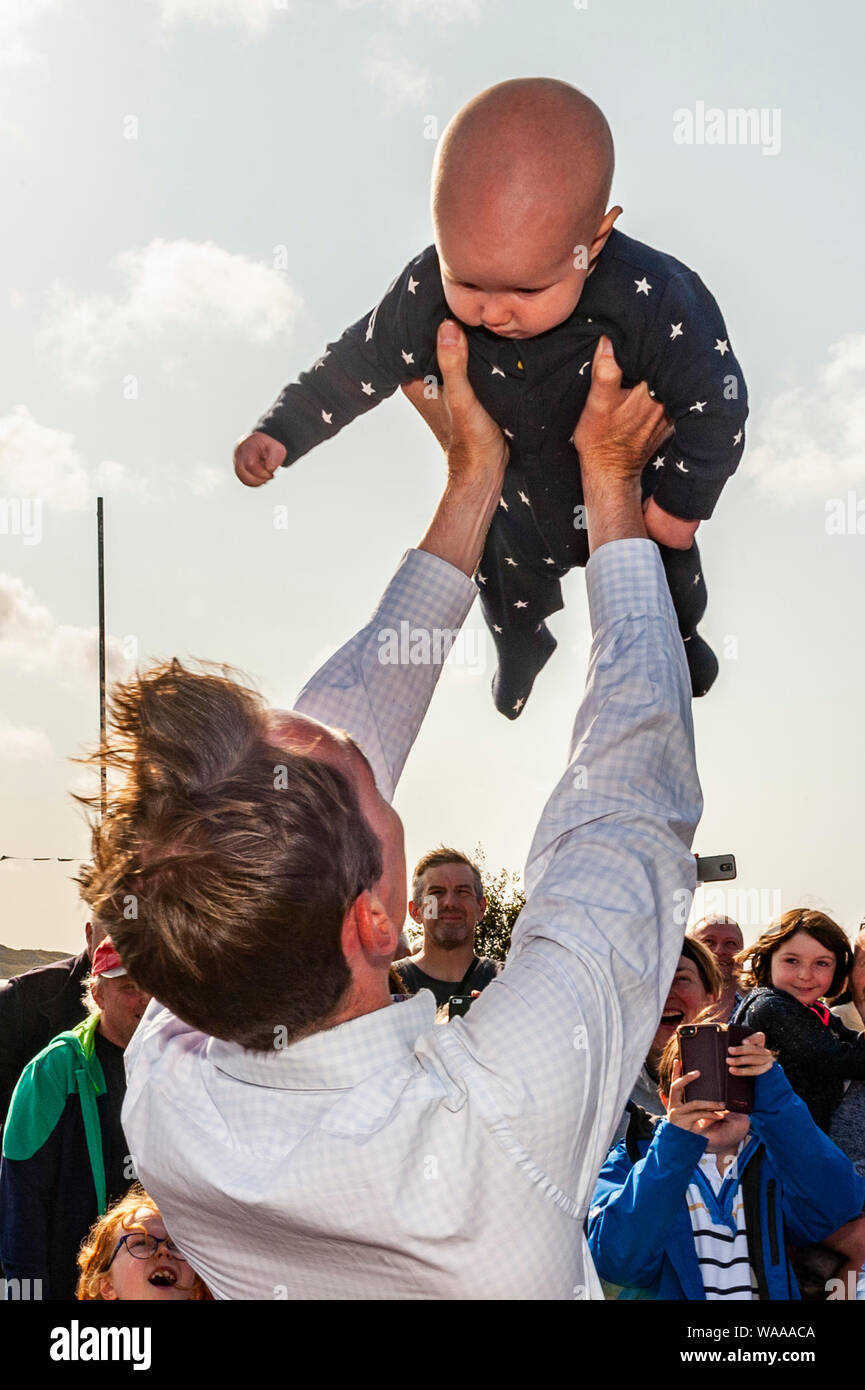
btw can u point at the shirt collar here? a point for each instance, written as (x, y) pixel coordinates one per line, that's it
(335, 1058)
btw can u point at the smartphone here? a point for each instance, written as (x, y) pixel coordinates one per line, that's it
(712, 868)
(703, 1048)
(458, 1004)
(740, 1089)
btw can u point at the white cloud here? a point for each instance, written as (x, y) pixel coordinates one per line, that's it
(429, 11)
(404, 83)
(18, 744)
(39, 462)
(169, 285)
(256, 16)
(17, 18)
(36, 461)
(32, 639)
(809, 441)
(253, 15)
(206, 480)
(112, 479)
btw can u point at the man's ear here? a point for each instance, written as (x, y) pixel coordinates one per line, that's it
(599, 240)
(368, 928)
(482, 904)
(414, 912)
(88, 937)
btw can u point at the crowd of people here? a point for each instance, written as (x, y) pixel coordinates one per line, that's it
(699, 1201)
(693, 1201)
(219, 1099)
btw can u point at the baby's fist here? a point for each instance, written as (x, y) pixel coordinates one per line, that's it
(257, 458)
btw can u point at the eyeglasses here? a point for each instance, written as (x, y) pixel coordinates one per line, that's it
(141, 1245)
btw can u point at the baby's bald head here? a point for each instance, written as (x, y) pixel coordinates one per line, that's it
(521, 178)
(532, 150)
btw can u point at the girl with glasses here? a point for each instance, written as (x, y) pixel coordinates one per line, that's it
(129, 1255)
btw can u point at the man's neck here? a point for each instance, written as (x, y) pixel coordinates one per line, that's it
(110, 1036)
(727, 1001)
(449, 966)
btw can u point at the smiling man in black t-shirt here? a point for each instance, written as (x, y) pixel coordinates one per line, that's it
(448, 900)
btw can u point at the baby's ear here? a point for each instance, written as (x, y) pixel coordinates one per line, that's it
(608, 221)
(601, 235)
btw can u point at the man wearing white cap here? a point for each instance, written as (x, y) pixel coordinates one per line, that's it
(64, 1154)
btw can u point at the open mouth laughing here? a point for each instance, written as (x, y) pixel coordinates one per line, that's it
(163, 1278)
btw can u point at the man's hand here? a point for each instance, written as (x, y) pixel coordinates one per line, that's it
(692, 1115)
(617, 434)
(257, 457)
(619, 430)
(469, 436)
(477, 456)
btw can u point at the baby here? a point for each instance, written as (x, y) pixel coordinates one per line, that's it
(526, 258)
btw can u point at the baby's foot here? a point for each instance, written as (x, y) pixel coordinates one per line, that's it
(518, 667)
(702, 663)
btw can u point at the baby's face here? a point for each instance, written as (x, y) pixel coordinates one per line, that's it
(515, 291)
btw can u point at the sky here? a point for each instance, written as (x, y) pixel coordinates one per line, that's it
(201, 193)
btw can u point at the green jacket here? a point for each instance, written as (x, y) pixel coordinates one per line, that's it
(67, 1066)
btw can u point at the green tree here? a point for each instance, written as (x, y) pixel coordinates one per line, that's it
(505, 901)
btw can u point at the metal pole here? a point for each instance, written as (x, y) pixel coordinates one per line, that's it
(100, 548)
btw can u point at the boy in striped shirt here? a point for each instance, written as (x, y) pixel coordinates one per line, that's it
(701, 1204)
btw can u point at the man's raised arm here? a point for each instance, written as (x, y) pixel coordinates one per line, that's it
(557, 1040)
(372, 687)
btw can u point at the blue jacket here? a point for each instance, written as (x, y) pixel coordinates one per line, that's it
(797, 1185)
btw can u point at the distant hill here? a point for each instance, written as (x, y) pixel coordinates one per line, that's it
(14, 962)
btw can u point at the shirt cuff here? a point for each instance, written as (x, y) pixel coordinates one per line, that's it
(428, 591)
(625, 579)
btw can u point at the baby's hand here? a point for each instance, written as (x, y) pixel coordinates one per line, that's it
(257, 458)
(667, 529)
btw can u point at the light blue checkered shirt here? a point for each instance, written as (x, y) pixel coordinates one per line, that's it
(392, 1158)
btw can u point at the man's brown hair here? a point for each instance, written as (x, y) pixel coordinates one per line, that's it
(225, 865)
(756, 961)
(436, 857)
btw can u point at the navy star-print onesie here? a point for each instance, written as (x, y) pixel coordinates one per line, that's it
(666, 329)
